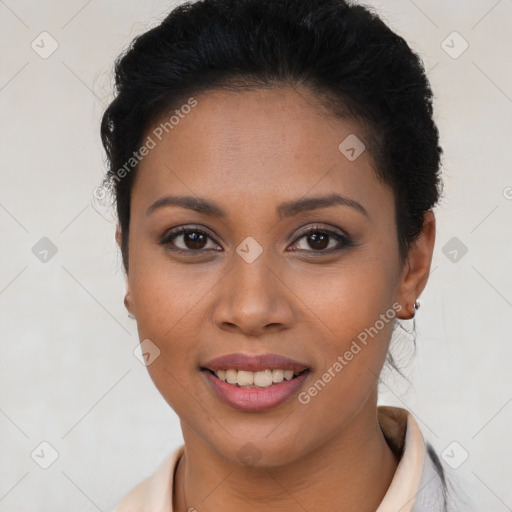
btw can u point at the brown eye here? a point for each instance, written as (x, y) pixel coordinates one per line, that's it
(194, 240)
(188, 240)
(321, 240)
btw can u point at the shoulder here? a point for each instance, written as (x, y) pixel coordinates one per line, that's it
(154, 493)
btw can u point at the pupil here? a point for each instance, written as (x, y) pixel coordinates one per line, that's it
(195, 239)
(320, 241)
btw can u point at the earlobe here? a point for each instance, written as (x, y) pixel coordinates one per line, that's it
(118, 236)
(417, 268)
(411, 309)
(128, 304)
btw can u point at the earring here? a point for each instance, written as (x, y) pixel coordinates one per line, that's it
(412, 313)
(130, 315)
(415, 308)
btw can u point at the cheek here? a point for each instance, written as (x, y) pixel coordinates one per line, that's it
(165, 292)
(164, 308)
(345, 301)
(354, 318)
(349, 365)
(167, 302)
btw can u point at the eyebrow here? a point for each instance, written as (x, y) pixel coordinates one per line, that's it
(286, 209)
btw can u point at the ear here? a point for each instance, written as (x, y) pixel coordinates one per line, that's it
(417, 267)
(128, 303)
(118, 236)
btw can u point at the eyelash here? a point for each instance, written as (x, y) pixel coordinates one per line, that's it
(343, 240)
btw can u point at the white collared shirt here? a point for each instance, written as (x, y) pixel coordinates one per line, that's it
(416, 484)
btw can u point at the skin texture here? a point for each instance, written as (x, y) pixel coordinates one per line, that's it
(248, 152)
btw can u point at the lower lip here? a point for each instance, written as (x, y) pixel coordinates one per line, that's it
(254, 399)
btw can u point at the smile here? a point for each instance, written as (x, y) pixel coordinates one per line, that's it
(251, 397)
(253, 380)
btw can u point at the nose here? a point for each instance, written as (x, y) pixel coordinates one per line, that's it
(253, 299)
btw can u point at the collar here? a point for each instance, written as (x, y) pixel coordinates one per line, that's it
(416, 485)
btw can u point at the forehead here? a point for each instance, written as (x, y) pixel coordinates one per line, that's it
(254, 147)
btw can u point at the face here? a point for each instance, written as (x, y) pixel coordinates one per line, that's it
(296, 254)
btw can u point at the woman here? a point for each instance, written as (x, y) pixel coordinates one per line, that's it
(275, 165)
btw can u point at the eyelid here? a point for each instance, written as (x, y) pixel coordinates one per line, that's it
(321, 227)
(179, 230)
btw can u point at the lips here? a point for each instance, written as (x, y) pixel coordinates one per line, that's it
(262, 395)
(255, 400)
(254, 363)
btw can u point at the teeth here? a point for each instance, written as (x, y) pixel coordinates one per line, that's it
(245, 378)
(261, 379)
(231, 376)
(277, 376)
(288, 374)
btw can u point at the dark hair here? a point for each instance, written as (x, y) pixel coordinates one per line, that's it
(344, 53)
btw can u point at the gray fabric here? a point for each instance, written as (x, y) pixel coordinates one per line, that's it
(430, 497)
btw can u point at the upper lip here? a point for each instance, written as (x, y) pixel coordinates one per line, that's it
(254, 363)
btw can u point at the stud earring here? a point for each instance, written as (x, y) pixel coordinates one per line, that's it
(412, 313)
(415, 308)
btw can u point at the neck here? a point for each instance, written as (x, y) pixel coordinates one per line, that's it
(352, 469)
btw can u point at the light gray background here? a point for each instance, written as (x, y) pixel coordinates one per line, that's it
(67, 372)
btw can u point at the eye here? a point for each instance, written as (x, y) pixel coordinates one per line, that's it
(319, 240)
(194, 239)
(190, 239)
